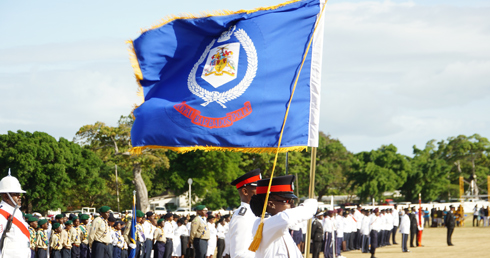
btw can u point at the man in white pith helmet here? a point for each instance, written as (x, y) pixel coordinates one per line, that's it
(14, 232)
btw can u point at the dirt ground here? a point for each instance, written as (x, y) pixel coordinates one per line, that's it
(468, 241)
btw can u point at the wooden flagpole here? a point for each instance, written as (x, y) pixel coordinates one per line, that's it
(311, 194)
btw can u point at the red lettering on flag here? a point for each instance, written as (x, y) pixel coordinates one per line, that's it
(210, 122)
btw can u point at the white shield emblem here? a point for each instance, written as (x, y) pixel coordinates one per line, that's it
(222, 64)
(222, 97)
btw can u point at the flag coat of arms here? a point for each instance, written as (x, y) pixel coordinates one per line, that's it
(224, 81)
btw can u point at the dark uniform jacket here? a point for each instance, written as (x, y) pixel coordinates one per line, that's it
(413, 221)
(450, 222)
(317, 231)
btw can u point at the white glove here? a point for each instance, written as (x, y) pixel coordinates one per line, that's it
(132, 246)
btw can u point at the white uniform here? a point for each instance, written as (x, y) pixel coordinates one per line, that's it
(339, 225)
(16, 243)
(405, 225)
(181, 231)
(276, 240)
(212, 242)
(240, 234)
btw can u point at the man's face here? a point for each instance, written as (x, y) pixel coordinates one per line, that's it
(33, 224)
(278, 204)
(105, 215)
(16, 197)
(45, 226)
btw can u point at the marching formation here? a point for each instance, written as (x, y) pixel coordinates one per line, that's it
(280, 233)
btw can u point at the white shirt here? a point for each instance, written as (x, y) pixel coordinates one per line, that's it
(365, 225)
(168, 229)
(220, 231)
(396, 218)
(240, 234)
(405, 224)
(375, 223)
(148, 230)
(327, 225)
(339, 225)
(358, 216)
(16, 243)
(276, 240)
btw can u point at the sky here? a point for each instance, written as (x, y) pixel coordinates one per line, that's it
(394, 72)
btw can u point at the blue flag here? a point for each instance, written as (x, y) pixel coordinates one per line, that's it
(223, 82)
(132, 230)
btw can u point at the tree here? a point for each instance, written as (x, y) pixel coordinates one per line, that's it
(379, 171)
(112, 145)
(211, 172)
(468, 157)
(55, 174)
(429, 174)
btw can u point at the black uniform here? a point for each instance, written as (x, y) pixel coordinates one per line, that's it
(450, 223)
(414, 231)
(317, 238)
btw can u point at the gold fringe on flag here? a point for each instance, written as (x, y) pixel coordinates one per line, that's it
(139, 150)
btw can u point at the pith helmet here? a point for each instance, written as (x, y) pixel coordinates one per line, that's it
(10, 184)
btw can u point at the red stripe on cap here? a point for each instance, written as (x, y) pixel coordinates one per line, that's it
(248, 181)
(274, 189)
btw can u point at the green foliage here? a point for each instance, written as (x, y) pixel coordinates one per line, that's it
(55, 174)
(379, 171)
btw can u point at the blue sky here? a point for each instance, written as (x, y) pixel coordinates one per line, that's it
(401, 72)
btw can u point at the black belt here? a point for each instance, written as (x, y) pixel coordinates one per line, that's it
(101, 243)
(201, 239)
(168, 238)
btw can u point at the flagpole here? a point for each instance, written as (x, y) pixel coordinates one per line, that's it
(311, 194)
(334, 229)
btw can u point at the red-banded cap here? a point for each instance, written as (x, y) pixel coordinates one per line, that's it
(281, 185)
(249, 178)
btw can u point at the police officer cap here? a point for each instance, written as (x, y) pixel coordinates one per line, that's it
(139, 214)
(104, 209)
(281, 186)
(249, 178)
(59, 216)
(56, 225)
(84, 217)
(200, 207)
(42, 222)
(32, 219)
(69, 222)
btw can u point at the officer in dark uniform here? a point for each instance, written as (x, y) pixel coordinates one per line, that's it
(317, 235)
(413, 227)
(450, 223)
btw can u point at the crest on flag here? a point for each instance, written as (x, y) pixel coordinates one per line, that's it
(222, 64)
(222, 67)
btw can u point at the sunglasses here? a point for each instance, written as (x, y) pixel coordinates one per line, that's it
(289, 201)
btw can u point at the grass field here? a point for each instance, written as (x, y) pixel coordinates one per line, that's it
(468, 242)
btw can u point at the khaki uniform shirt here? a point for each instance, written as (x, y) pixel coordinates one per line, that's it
(76, 236)
(83, 233)
(55, 241)
(99, 231)
(199, 229)
(42, 241)
(159, 235)
(65, 239)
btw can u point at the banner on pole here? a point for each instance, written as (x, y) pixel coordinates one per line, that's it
(223, 81)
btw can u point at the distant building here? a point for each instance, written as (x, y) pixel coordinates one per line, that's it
(170, 201)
